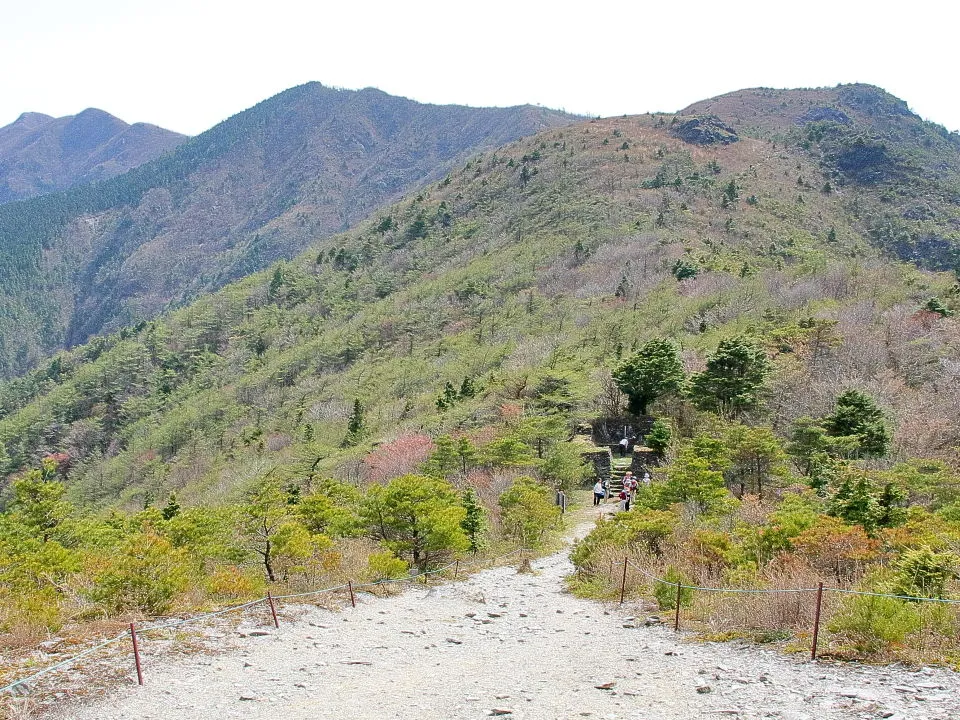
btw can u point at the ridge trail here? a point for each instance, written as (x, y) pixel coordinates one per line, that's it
(513, 644)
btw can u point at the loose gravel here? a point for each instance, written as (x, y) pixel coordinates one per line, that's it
(515, 645)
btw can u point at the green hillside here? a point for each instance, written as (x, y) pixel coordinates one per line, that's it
(466, 331)
(256, 188)
(546, 259)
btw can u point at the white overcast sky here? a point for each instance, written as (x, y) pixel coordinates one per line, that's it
(187, 64)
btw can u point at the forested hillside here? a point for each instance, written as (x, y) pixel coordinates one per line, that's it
(727, 282)
(41, 154)
(256, 188)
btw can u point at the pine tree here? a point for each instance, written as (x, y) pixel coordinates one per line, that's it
(651, 372)
(356, 425)
(658, 439)
(473, 523)
(734, 379)
(859, 421)
(171, 509)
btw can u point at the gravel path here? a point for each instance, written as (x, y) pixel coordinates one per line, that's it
(517, 645)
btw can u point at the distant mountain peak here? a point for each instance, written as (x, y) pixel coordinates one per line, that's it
(41, 154)
(32, 119)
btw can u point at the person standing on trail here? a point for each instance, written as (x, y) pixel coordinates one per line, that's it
(598, 492)
(624, 500)
(624, 443)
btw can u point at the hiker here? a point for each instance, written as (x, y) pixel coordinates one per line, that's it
(631, 483)
(624, 443)
(624, 500)
(598, 492)
(646, 478)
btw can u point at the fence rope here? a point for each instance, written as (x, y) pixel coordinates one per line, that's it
(233, 608)
(63, 663)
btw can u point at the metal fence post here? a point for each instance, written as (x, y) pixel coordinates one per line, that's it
(816, 622)
(623, 580)
(136, 653)
(273, 610)
(353, 601)
(676, 617)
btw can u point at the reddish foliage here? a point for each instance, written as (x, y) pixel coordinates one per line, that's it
(841, 550)
(397, 457)
(61, 461)
(511, 412)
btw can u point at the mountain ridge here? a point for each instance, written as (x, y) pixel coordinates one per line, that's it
(226, 203)
(41, 154)
(527, 270)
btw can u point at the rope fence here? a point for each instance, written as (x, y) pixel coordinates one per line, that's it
(269, 599)
(819, 590)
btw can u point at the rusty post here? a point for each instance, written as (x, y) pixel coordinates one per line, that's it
(456, 570)
(816, 623)
(136, 653)
(676, 617)
(353, 600)
(273, 610)
(623, 580)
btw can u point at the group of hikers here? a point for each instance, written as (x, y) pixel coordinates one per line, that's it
(626, 495)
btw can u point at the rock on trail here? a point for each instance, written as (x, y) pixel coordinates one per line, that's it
(513, 645)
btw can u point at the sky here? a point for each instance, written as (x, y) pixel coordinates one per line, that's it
(188, 64)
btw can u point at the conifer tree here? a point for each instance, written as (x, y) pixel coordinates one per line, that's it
(651, 372)
(734, 379)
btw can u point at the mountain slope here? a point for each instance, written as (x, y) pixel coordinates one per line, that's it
(897, 174)
(40, 154)
(258, 187)
(530, 271)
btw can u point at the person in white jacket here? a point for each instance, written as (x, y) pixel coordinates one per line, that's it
(598, 492)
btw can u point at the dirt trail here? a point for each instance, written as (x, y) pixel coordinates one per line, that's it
(506, 642)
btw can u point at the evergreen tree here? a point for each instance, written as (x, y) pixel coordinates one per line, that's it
(356, 425)
(734, 379)
(417, 516)
(445, 459)
(651, 372)
(171, 509)
(854, 501)
(467, 454)
(527, 511)
(658, 439)
(691, 479)
(38, 502)
(859, 421)
(473, 523)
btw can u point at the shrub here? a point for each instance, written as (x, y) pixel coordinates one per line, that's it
(231, 583)
(527, 512)
(145, 576)
(872, 625)
(386, 566)
(924, 573)
(666, 594)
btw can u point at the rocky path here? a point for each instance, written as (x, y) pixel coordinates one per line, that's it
(516, 645)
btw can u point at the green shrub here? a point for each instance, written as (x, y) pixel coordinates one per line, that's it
(386, 566)
(145, 576)
(666, 594)
(872, 625)
(924, 573)
(527, 512)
